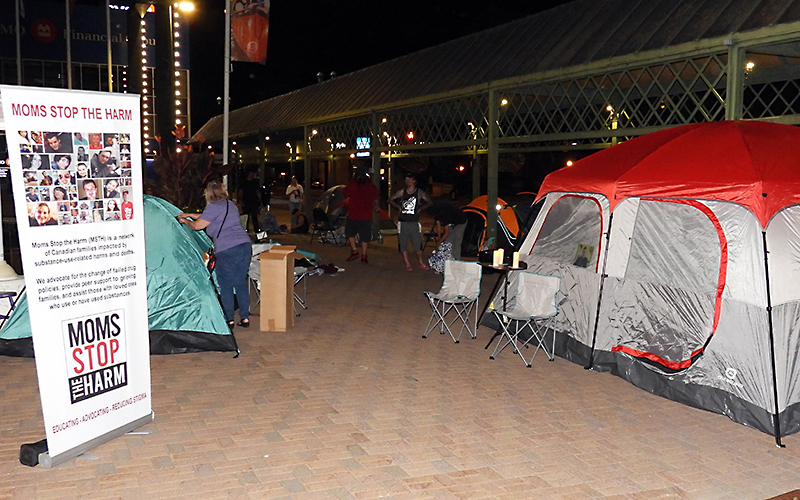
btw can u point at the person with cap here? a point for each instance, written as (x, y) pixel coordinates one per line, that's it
(410, 201)
(362, 201)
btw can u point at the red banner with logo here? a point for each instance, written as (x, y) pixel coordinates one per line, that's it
(249, 30)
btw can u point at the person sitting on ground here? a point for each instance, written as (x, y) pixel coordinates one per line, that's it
(269, 223)
(300, 225)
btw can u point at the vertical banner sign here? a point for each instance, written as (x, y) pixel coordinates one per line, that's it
(76, 175)
(249, 30)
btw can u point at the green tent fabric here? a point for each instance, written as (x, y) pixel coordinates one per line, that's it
(185, 314)
(15, 335)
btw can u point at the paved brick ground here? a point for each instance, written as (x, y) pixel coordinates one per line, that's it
(353, 404)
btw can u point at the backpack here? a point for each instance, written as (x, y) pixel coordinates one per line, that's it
(441, 254)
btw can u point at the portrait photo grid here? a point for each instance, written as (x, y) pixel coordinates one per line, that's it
(76, 177)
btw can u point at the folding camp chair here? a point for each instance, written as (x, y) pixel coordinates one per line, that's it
(300, 275)
(322, 226)
(459, 296)
(534, 311)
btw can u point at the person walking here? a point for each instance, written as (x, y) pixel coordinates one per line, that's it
(362, 196)
(232, 248)
(410, 201)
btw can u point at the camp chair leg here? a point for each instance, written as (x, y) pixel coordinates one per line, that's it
(539, 339)
(255, 290)
(437, 317)
(506, 337)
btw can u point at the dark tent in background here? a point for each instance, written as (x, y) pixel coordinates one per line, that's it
(475, 232)
(331, 203)
(184, 310)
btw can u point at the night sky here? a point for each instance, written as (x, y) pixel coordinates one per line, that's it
(313, 36)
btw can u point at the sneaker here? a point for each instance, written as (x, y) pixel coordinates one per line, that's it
(364, 259)
(353, 256)
(424, 267)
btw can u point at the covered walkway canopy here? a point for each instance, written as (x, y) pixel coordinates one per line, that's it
(580, 76)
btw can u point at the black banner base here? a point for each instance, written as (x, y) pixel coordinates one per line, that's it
(29, 453)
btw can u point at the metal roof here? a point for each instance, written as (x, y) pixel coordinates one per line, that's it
(574, 34)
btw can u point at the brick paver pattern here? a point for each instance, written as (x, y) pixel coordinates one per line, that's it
(352, 403)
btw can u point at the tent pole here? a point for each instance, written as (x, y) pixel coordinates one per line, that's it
(600, 294)
(526, 224)
(776, 421)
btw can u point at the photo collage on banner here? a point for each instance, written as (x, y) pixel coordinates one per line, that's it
(76, 177)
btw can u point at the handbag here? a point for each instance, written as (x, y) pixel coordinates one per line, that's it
(210, 257)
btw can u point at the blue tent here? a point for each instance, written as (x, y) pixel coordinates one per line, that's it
(185, 314)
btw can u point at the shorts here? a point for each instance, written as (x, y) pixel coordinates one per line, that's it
(410, 231)
(362, 228)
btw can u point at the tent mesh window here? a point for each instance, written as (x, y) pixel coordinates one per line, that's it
(571, 230)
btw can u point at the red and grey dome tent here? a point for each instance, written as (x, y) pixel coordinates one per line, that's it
(692, 287)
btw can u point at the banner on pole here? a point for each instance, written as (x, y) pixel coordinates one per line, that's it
(249, 30)
(75, 163)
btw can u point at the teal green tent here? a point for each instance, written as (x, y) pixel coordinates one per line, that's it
(185, 314)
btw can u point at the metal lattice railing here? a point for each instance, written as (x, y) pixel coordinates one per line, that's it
(338, 135)
(590, 111)
(771, 86)
(455, 121)
(658, 95)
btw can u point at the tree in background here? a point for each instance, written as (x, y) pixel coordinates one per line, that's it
(182, 177)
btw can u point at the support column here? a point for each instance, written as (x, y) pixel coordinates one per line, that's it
(164, 79)
(307, 171)
(375, 168)
(493, 166)
(134, 46)
(735, 91)
(133, 20)
(476, 173)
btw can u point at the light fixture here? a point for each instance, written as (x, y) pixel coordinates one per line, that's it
(504, 102)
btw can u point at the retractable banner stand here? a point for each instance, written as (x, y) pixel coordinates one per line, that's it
(76, 174)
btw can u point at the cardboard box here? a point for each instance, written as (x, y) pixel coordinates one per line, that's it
(277, 288)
